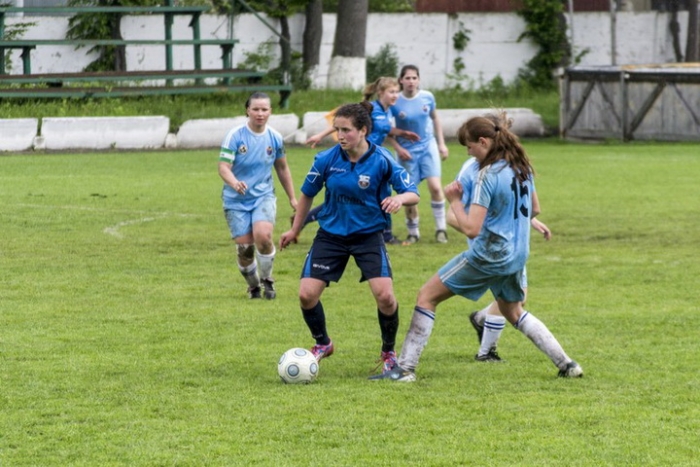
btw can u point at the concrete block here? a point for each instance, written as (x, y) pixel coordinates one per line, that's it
(104, 132)
(313, 123)
(210, 132)
(17, 134)
(524, 121)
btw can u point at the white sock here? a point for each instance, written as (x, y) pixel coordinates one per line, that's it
(250, 273)
(493, 327)
(538, 333)
(438, 208)
(412, 226)
(417, 337)
(480, 316)
(265, 262)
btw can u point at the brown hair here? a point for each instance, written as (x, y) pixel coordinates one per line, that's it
(359, 114)
(406, 68)
(506, 145)
(379, 85)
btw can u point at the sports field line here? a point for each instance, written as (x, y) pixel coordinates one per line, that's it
(114, 230)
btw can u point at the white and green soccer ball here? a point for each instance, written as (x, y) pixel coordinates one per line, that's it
(297, 365)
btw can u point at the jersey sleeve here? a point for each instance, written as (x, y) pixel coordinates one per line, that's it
(399, 178)
(228, 148)
(484, 187)
(313, 183)
(278, 141)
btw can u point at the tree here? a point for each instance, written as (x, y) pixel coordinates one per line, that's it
(313, 32)
(691, 49)
(103, 26)
(347, 67)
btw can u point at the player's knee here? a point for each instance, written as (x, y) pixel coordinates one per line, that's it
(246, 253)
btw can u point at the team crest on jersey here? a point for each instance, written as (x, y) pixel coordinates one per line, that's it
(269, 150)
(363, 181)
(426, 109)
(242, 149)
(402, 115)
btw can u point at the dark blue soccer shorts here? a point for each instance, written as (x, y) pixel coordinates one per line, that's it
(329, 255)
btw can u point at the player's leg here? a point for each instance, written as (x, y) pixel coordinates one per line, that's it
(430, 166)
(437, 205)
(263, 225)
(373, 261)
(324, 263)
(509, 297)
(240, 226)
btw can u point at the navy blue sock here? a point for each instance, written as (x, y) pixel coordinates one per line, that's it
(389, 325)
(316, 321)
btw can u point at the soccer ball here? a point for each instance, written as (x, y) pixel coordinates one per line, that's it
(297, 366)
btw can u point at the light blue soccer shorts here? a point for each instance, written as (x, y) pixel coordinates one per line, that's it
(425, 163)
(462, 279)
(240, 222)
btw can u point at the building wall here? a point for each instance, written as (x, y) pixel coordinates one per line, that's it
(421, 39)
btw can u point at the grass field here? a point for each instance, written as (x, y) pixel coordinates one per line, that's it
(126, 338)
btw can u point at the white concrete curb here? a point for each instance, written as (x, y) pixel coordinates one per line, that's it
(104, 132)
(210, 132)
(152, 132)
(17, 134)
(525, 122)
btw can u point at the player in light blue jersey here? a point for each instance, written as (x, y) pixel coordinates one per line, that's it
(498, 224)
(248, 154)
(356, 174)
(415, 111)
(386, 89)
(488, 322)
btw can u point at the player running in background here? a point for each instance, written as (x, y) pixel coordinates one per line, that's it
(248, 154)
(498, 222)
(415, 111)
(386, 89)
(357, 176)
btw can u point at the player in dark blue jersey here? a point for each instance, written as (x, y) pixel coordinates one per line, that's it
(356, 174)
(503, 202)
(386, 89)
(248, 154)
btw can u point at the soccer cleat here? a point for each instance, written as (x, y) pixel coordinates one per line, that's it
(269, 286)
(441, 236)
(396, 374)
(322, 351)
(254, 292)
(392, 240)
(387, 361)
(410, 240)
(492, 356)
(479, 328)
(572, 370)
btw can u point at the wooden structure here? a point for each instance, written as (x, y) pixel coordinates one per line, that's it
(632, 102)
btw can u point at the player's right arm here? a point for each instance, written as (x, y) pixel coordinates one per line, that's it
(227, 176)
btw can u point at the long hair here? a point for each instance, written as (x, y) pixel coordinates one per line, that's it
(378, 86)
(506, 145)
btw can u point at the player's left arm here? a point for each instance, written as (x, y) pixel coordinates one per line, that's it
(439, 135)
(285, 177)
(536, 224)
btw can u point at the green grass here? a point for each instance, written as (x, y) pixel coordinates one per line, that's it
(126, 337)
(182, 108)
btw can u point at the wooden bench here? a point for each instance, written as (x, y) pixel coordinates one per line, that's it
(113, 84)
(27, 46)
